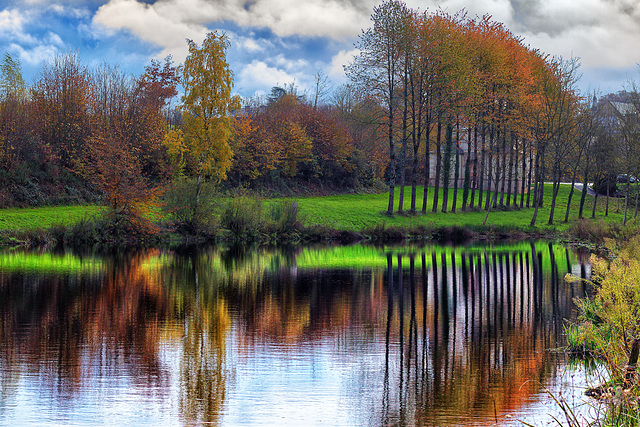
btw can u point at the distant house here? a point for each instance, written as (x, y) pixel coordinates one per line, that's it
(617, 110)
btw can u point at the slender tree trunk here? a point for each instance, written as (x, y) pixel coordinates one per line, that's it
(606, 211)
(495, 197)
(595, 203)
(535, 211)
(489, 168)
(436, 188)
(626, 201)
(542, 176)
(481, 175)
(573, 184)
(539, 192)
(524, 171)
(414, 177)
(403, 151)
(503, 171)
(529, 175)
(427, 170)
(197, 202)
(456, 173)
(635, 213)
(554, 194)
(475, 164)
(585, 189)
(392, 162)
(415, 139)
(512, 148)
(536, 180)
(446, 166)
(403, 169)
(467, 172)
(498, 155)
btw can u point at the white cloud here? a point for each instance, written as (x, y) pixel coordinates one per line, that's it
(74, 12)
(54, 39)
(314, 18)
(290, 64)
(167, 20)
(12, 26)
(336, 71)
(249, 43)
(11, 21)
(35, 55)
(602, 33)
(258, 75)
(151, 24)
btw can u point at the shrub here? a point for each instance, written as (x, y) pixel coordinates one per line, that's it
(178, 208)
(609, 320)
(242, 216)
(283, 218)
(591, 231)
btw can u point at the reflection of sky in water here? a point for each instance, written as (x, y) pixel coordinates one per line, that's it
(325, 366)
(310, 386)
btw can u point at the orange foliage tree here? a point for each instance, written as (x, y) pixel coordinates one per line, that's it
(118, 156)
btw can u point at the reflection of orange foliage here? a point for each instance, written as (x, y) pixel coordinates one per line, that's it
(121, 312)
(272, 321)
(121, 315)
(290, 319)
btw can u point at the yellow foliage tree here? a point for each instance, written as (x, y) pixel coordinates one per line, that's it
(173, 142)
(207, 108)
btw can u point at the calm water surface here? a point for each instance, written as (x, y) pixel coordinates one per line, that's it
(354, 335)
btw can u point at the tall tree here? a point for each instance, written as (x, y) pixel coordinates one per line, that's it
(378, 69)
(207, 109)
(62, 96)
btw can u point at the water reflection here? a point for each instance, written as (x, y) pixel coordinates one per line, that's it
(342, 336)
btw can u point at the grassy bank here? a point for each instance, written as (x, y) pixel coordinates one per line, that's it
(341, 216)
(26, 219)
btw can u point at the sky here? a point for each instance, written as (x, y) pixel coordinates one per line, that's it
(278, 42)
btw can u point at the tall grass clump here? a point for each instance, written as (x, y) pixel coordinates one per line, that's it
(242, 217)
(591, 231)
(178, 209)
(597, 232)
(250, 219)
(283, 221)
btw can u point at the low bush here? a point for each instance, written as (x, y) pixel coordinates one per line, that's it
(609, 319)
(591, 231)
(242, 217)
(178, 206)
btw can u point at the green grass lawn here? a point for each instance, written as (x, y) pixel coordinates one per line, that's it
(359, 212)
(45, 217)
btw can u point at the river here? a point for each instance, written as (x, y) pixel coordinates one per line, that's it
(329, 335)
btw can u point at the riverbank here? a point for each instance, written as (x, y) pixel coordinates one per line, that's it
(343, 218)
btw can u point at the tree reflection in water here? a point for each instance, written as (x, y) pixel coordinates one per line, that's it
(413, 336)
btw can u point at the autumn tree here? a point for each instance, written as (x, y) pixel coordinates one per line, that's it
(331, 146)
(118, 151)
(62, 96)
(13, 112)
(321, 87)
(378, 69)
(207, 109)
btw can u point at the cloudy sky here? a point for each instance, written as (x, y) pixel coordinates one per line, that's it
(275, 42)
